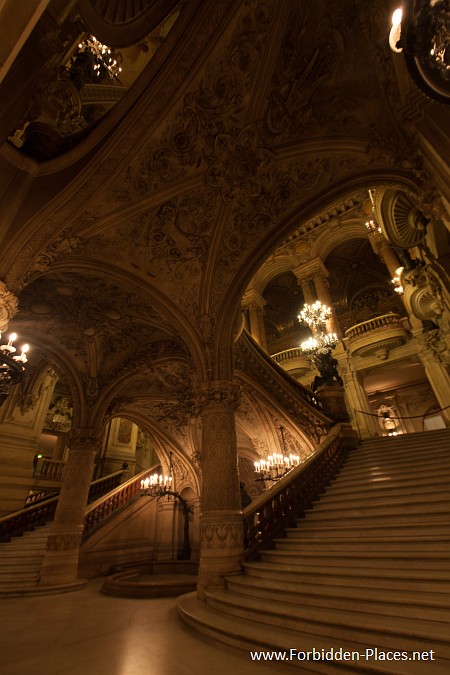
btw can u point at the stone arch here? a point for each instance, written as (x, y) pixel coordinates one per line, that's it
(262, 249)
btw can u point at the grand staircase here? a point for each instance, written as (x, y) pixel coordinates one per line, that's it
(366, 568)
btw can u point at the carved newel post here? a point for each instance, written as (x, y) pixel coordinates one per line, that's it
(60, 565)
(221, 545)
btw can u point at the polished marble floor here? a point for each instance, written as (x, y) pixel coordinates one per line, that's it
(86, 633)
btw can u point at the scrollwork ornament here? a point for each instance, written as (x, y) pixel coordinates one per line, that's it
(9, 305)
(221, 535)
(63, 542)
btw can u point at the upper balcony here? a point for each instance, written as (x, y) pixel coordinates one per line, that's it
(293, 361)
(377, 337)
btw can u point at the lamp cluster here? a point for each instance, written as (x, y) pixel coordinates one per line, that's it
(12, 365)
(275, 466)
(397, 281)
(421, 30)
(316, 316)
(156, 482)
(104, 57)
(10, 350)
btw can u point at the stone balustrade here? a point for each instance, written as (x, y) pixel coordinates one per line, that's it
(377, 336)
(293, 359)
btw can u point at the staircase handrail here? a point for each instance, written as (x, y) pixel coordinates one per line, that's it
(15, 524)
(104, 506)
(274, 510)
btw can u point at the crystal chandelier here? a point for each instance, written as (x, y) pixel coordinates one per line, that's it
(319, 347)
(103, 57)
(12, 366)
(316, 317)
(421, 31)
(276, 465)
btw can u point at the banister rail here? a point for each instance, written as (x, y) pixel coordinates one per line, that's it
(111, 502)
(268, 515)
(15, 524)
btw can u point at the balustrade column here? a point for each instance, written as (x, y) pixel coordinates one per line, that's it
(254, 302)
(221, 526)
(60, 565)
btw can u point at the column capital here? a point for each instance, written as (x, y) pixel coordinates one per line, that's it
(9, 305)
(310, 270)
(252, 298)
(85, 439)
(218, 393)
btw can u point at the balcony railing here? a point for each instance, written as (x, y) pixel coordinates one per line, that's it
(376, 336)
(52, 469)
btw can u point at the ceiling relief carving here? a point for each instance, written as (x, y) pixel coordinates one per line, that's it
(79, 312)
(318, 85)
(169, 242)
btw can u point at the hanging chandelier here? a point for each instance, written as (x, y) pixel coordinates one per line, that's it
(421, 31)
(276, 465)
(320, 345)
(316, 317)
(12, 366)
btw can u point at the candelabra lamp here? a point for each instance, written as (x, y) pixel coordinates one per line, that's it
(12, 366)
(158, 487)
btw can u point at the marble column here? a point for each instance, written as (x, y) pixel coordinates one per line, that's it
(254, 303)
(436, 369)
(306, 285)
(221, 526)
(364, 422)
(384, 250)
(60, 565)
(315, 272)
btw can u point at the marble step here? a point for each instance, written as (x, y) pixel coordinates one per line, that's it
(356, 626)
(408, 456)
(399, 471)
(359, 561)
(407, 532)
(327, 503)
(397, 603)
(434, 583)
(421, 437)
(382, 479)
(439, 512)
(367, 547)
(249, 636)
(350, 568)
(429, 485)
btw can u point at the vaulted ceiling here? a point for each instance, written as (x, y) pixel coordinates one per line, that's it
(252, 118)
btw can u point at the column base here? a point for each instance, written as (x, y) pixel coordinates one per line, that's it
(60, 565)
(222, 549)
